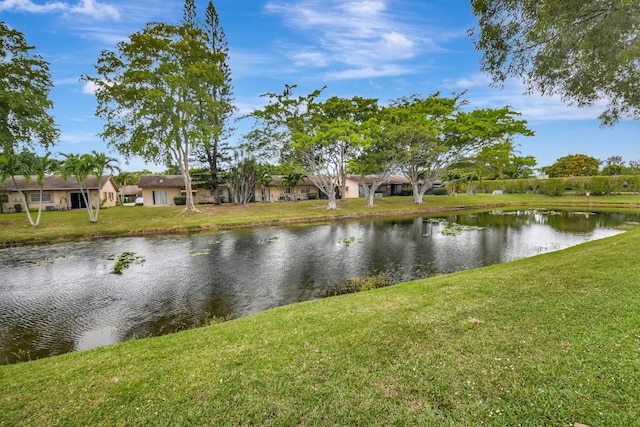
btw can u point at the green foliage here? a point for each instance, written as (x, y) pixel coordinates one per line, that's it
(130, 178)
(574, 165)
(81, 167)
(180, 200)
(245, 173)
(26, 164)
(553, 187)
(125, 259)
(435, 134)
(439, 191)
(24, 95)
(582, 50)
(595, 185)
(500, 161)
(319, 137)
(214, 148)
(154, 93)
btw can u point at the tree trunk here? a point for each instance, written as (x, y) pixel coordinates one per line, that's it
(25, 203)
(95, 215)
(190, 205)
(332, 200)
(418, 193)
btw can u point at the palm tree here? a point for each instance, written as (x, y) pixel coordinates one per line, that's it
(26, 164)
(101, 163)
(82, 167)
(265, 180)
(290, 181)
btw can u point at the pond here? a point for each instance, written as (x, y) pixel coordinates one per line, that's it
(64, 297)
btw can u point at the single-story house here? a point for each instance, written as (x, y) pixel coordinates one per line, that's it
(395, 185)
(129, 193)
(160, 190)
(58, 193)
(277, 190)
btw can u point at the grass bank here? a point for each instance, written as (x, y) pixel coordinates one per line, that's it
(551, 340)
(126, 221)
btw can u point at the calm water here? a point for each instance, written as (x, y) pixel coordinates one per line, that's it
(63, 297)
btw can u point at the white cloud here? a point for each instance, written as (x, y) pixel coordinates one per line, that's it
(366, 72)
(89, 88)
(364, 8)
(79, 138)
(314, 59)
(95, 10)
(467, 82)
(89, 8)
(31, 7)
(535, 107)
(359, 39)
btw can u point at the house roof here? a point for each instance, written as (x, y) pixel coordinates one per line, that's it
(130, 189)
(55, 182)
(392, 179)
(278, 180)
(159, 181)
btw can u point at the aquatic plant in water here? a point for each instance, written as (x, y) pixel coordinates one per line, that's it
(125, 260)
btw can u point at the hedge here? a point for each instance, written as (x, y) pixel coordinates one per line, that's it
(595, 185)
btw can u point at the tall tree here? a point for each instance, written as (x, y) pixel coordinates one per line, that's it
(344, 127)
(614, 165)
(213, 149)
(373, 165)
(574, 165)
(154, 94)
(245, 173)
(375, 158)
(320, 137)
(282, 129)
(24, 95)
(433, 134)
(582, 50)
(501, 161)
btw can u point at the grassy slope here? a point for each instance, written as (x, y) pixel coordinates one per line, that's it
(14, 228)
(550, 340)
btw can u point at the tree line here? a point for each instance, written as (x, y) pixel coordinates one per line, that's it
(165, 94)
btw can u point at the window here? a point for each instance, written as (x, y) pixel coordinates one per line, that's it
(46, 197)
(160, 197)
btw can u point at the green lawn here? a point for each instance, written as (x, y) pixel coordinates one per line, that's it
(138, 220)
(551, 340)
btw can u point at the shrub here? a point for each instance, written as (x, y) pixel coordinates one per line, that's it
(440, 191)
(180, 200)
(553, 186)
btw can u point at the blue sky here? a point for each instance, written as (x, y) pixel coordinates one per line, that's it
(381, 49)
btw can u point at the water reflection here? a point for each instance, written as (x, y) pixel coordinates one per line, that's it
(60, 298)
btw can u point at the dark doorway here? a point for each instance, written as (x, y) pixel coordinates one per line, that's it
(77, 201)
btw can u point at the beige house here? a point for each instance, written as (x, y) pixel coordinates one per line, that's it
(395, 185)
(278, 191)
(160, 190)
(58, 193)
